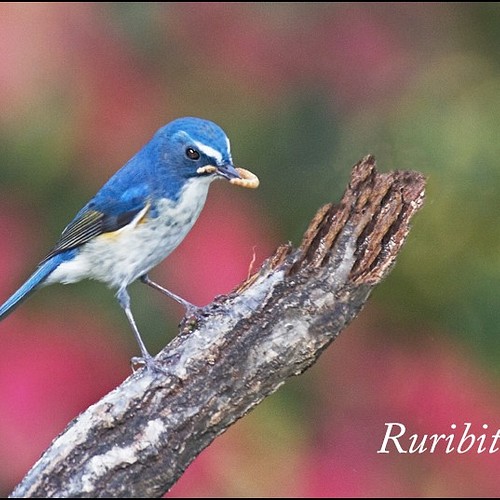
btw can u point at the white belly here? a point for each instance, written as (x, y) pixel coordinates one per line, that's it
(121, 257)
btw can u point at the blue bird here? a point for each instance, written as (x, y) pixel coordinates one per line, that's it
(139, 216)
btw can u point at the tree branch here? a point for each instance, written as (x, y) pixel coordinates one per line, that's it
(138, 440)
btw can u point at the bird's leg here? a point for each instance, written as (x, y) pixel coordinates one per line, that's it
(146, 359)
(190, 308)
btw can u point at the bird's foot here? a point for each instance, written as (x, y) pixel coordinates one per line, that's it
(191, 318)
(149, 363)
(192, 310)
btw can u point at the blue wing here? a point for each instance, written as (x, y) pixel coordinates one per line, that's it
(110, 210)
(118, 202)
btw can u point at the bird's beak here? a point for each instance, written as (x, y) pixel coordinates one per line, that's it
(235, 175)
(228, 172)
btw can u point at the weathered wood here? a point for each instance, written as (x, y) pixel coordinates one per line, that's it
(138, 440)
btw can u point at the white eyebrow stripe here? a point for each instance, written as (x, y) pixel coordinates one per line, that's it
(209, 151)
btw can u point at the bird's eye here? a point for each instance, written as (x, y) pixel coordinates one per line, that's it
(192, 154)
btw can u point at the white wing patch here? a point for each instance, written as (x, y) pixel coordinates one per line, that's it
(132, 224)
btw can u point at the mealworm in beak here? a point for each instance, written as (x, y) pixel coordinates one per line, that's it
(248, 179)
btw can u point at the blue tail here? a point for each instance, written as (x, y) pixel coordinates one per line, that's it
(30, 285)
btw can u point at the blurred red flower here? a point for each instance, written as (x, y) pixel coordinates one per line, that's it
(32, 55)
(53, 368)
(349, 51)
(425, 384)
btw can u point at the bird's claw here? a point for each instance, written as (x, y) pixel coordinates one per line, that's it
(147, 362)
(192, 310)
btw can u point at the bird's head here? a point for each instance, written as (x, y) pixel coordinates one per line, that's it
(196, 148)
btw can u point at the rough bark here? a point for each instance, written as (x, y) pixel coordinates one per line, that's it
(138, 440)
